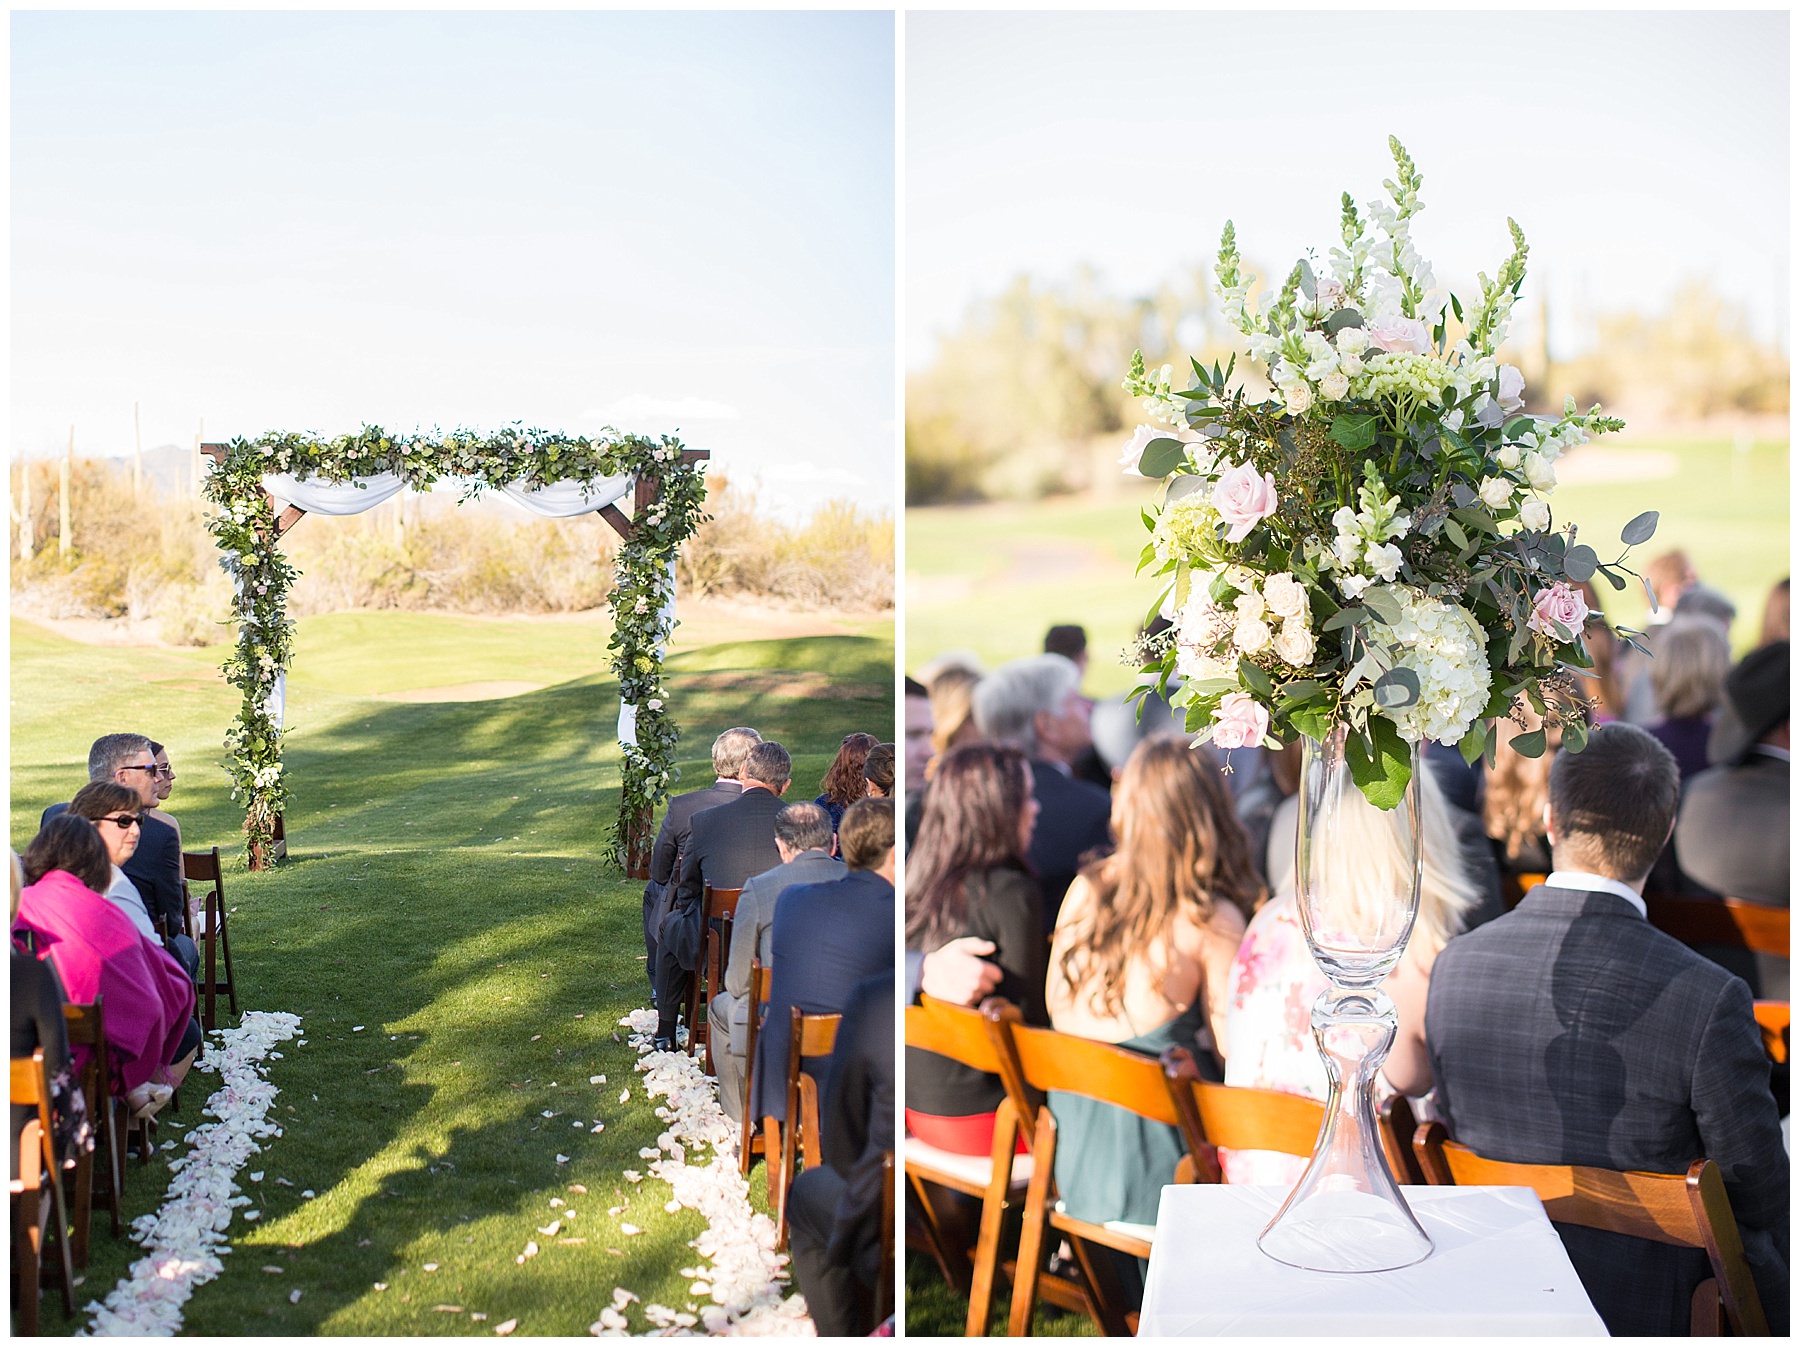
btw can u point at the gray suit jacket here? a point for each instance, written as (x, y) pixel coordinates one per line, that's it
(1571, 1031)
(750, 929)
(1732, 833)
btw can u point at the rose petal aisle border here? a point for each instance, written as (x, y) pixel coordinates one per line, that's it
(186, 1235)
(747, 1277)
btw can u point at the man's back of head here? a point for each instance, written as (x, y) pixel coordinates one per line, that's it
(1009, 699)
(1612, 804)
(866, 833)
(768, 764)
(111, 751)
(730, 749)
(803, 826)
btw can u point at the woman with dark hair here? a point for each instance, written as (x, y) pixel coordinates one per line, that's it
(115, 811)
(878, 771)
(844, 783)
(1141, 957)
(151, 1033)
(967, 875)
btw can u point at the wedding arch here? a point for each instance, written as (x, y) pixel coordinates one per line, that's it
(264, 486)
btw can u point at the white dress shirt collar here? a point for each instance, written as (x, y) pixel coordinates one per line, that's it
(1581, 879)
(1770, 751)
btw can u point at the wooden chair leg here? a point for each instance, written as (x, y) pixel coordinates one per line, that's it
(1033, 1229)
(993, 1214)
(210, 970)
(225, 948)
(27, 1233)
(952, 1262)
(81, 1214)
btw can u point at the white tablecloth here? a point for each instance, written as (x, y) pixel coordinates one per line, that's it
(1496, 1268)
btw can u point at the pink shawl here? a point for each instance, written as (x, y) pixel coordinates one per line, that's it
(98, 952)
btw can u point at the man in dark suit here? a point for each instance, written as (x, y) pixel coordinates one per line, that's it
(726, 845)
(1732, 835)
(803, 837)
(1036, 705)
(728, 753)
(835, 1208)
(826, 939)
(1571, 1031)
(155, 867)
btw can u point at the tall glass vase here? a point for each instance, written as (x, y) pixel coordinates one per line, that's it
(1357, 886)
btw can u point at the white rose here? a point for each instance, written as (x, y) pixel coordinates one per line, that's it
(1335, 386)
(1249, 606)
(1534, 513)
(1384, 560)
(1352, 340)
(1508, 458)
(1539, 472)
(1294, 644)
(1251, 635)
(1298, 398)
(1285, 596)
(1496, 492)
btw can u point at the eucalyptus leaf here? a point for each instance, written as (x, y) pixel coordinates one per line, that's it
(1342, 319)
(1640, 530)
(1161, 457)
(1345, 617)
(1474, 743)
(1397, 689)
(1580, 563)
(1455, 532)
(1183, 484)
(1309, 286)
(1383, 769)
(1383, 604)
(1256, 680)
(1529, 745)
(1575, 734)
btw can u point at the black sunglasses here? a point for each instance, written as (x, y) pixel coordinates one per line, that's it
(121, 820)
(149, 767)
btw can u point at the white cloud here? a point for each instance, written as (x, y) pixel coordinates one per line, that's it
(643, 407)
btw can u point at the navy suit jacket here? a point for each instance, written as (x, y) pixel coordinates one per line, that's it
(726, 845)
(826, 939)
(676, 824)
(1571, 1031)
(155, 867)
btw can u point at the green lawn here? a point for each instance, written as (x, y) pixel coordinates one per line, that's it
(992, 578)
(445, 891)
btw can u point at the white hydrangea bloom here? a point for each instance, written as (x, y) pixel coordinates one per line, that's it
(1441, 643)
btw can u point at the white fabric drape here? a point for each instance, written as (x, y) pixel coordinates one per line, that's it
(334, 498)
(566, 499)
(276, 703)
(627, 710)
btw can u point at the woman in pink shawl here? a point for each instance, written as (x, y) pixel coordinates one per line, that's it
(151, 1034)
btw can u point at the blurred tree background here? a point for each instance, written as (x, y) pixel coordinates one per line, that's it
(1024, 400)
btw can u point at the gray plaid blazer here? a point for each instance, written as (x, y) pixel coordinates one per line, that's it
(1571, 1031)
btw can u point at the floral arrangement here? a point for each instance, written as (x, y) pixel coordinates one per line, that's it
(1373, 543)
(244, 528)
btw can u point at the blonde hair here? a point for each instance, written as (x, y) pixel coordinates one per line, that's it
(952, 705)
(1688, 673)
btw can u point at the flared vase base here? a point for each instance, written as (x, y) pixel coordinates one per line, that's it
(1345, 1232)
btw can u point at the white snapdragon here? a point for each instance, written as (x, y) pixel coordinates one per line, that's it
(1384, 560)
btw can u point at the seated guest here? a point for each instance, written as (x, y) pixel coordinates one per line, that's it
(834, 1209)
(728, 753)
(37, 1022)
(1257, 804)
(118, 814)
(803, 840)
(151, 1033)
(952, 712)
(155, 867)
(1274, 981)
(1069, 640)
(1036, 705)
(878, 771)
(967, 876)
(827, 938)
(844, 783)
(1571, 1031)
(1688, 678)
(726, 845)
(1733, 833)
(165, 785)
(1142, 958)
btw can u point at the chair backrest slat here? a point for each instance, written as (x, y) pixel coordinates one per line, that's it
(1698, 920)
(1772, 1017)
(762, 978)
(956, 1032)
(1239, 1117)
(1099, 1071)
(721, 902)
(814, 1035)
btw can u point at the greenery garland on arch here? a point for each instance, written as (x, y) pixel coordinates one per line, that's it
(245, 529)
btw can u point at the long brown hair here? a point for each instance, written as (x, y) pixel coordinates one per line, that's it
(969, 823)
(844, 783)
(1181, 850)
(1518, 787)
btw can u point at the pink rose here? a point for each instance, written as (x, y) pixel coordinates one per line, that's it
(1557, 612)
(1135, 446)
(1243, 497)
(1397, 333)
(1240, 722)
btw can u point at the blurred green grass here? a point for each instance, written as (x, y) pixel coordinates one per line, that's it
(444, 891)
(993, 578)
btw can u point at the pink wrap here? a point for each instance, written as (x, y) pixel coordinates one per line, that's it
(98, 952)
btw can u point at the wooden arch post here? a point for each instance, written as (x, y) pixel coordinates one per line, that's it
(638, 833)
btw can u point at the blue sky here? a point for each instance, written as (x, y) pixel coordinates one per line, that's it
(1634, 148)
(311, 220)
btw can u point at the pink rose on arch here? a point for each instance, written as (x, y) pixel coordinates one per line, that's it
(1398, 333)
(1244, 497)
(1557, 612)
(1240, 722)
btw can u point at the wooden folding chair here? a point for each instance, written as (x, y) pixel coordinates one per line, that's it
(40, 1214)
(1001, 1176)
(884, 1277)
(1696, 919)
(716, 905)
(753, 1140)
(808, 1036)
(1772, 1019)
(1033, 1061)
(204, 867)
(99, 1173)
(1236, 1117)
(1688, 1210)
